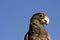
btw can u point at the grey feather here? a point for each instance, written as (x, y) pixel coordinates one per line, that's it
(36, 29)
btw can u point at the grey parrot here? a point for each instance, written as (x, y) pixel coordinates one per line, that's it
(36, 28)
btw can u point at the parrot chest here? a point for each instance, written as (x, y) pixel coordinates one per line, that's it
(38, 37)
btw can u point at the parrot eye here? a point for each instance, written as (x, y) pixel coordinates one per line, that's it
(41, 15)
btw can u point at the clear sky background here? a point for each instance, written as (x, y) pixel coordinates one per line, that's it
(15, 16)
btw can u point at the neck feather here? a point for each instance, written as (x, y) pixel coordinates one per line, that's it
(36, 26)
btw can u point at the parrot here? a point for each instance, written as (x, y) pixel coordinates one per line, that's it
(37, 30)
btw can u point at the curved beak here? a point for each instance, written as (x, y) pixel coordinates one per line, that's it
(46, 20)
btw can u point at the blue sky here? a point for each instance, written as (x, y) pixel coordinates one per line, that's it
(15, 16)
